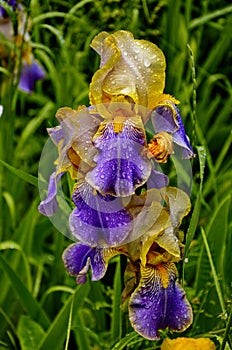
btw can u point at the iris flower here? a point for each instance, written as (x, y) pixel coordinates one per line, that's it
(122, 204)
(31, 70)
(154, 297)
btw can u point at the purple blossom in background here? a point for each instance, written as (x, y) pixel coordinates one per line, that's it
(30, 73)
(13, 6)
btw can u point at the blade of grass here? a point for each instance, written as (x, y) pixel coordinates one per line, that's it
(197, 207)
(215, 277)
(199, 21)
(28, 302)
(29, 333)
(21, 174)
(69, 326)
(227, 332)
(59, 325)
(14, 245)
(116, 311)
(121, 345)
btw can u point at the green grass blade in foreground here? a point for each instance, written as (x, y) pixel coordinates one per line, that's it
(213, 270)
(116, 311)
(14, 245)
(130, 337)
(34, 124)
(217, 236)
(196, 211)
(29, 333)
(31, 306)
(58, 329)
(21, 174)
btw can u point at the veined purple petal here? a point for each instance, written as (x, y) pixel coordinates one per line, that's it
(120, 165)
(29, 75)
(166, 117)
(79, 257)
(49, 205)
(97, 219)
(159, 302)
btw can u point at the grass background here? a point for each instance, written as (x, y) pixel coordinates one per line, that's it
(41, 308)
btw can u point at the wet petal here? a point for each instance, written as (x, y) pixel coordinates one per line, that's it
(74, 139)
(121, 166)
(131, 68)
(79, 257)
(188, 344)
(166, 117)
(49, 205)
(97, 219)
(29, 75)
(159, 302)
(177, 205)
(160, 147)
(157, 178)
(56, 134)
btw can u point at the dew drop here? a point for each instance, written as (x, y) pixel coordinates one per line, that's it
(147, 62)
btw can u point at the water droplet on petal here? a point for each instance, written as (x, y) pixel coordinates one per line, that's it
(147, 62)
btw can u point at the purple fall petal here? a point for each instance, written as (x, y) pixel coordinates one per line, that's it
(159, 302)
(167, 118)
(79, 257)
(121, 167)
(97, 219)
(29, 75)
(49, 205)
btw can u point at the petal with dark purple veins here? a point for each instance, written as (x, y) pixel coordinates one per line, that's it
(97, 219)
(30, 73)
(166, 117)
(49, 205)
(159, 302)
(121, 166)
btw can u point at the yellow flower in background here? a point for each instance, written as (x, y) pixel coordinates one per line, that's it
(188, 344)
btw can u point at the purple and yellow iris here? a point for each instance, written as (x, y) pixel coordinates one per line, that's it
(123, 204)
(154, 297)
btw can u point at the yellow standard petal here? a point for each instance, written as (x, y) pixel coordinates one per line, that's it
(188, 344)
(130, 70)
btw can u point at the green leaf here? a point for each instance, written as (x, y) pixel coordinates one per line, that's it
(28, 302)
(21, 174)
(197, 207)
(57, 331)
(29, 333)
(121, 345)
(217, 235)
(34, 124)
(116, 311)
(215, 277)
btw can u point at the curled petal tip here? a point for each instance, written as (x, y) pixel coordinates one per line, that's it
(131, 68)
